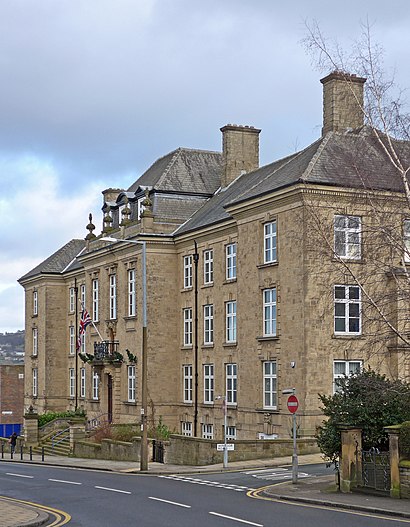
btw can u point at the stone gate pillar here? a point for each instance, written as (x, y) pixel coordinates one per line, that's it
(394, 432)
(351, 461)
(31, 428)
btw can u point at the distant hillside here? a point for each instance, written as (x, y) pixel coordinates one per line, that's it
(12, 347)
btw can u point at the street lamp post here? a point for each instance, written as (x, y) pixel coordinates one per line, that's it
(144, 373)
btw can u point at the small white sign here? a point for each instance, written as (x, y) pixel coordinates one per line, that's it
(7, 412)
(221, 447)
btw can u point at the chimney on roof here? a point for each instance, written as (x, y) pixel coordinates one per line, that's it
(342, 102)
(240, 151)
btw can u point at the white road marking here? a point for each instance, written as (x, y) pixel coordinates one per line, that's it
(19, 475)
(217, 484)
(236, 519)
(63, 481)
(170, 502)
(259, 471)
(113, 490)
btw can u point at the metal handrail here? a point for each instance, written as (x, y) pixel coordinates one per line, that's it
(96, 421)
(65, 438)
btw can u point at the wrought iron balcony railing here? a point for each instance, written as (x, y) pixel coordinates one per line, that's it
(106, 350)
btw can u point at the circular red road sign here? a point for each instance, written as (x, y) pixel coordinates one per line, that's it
(293, 404)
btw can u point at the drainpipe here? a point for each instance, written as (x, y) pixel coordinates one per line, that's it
(196, 260)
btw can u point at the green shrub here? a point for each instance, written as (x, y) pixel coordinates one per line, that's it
(404, 440)
(45, 418)
(161, 431)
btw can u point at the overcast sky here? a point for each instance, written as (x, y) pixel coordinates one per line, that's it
(93, 91)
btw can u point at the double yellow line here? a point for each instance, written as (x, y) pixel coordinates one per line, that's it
(61, 517)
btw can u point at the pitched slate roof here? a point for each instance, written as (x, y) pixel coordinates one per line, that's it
(353, 159)
(62, 260)
(184, 170)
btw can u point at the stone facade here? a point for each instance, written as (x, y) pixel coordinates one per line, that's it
(260, 315)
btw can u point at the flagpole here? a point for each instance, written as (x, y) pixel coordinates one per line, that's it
(92, 322)
(76, 343)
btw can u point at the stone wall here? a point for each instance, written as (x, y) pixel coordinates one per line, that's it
(183, 450)
(109, 449)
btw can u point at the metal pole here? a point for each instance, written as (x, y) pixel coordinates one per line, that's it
(225, 433)
(76, 343)
(196, 260)
(144, 438)
(295, 453)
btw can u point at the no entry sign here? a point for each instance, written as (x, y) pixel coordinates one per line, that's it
(293, 404)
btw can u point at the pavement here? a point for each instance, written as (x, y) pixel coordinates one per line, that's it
(314, 491)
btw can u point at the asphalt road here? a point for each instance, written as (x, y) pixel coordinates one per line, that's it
(105, 499)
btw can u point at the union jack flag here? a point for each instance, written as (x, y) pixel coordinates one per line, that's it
(84, 322)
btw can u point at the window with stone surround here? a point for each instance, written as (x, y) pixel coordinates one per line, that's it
(187, 326)
(71, 380)
(231, 383)
(71, 296)
(71, 331)
(82, 383)
(35, 303)
(131, 383)
(187, 382)
(231, 433)
(347, 310)
(208, 383)
(187, 271)
(186, 428)
(269, 312)
(406, 240)
(230, 308)
(82, 296)
(207, 431)
(343, 369)
(35, 342)
(347, 232)
(269, 385)
(208, 324)
(113, 296)
(208, 267)
(231, 261)
(95, 299)
(269, 242)
(131, 293)
(96, 385)
(35, 381)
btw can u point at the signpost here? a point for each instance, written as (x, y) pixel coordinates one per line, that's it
(221, 446)
(293, 405)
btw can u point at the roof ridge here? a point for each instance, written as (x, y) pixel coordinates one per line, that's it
(280, 162)
(318, 153)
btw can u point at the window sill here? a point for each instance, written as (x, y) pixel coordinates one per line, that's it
(348, 260)
(187, 403)
(268, 264)
(207, 346)
(263, 339)
(186, 289)
(230, 345)
(187, 348)
(130, 317)
(229, 281)
(347, 336)
(267, 410)
(34, 315)
(129, 403)
(34, 356)
(205, 286)
(94, 401)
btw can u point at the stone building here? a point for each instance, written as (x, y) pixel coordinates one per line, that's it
(259, 279)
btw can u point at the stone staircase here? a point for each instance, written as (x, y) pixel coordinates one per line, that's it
(55, 445)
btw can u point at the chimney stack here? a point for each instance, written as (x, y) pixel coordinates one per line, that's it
(240, 151)
(342, 102)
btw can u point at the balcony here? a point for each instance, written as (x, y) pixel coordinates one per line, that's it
(106, 350)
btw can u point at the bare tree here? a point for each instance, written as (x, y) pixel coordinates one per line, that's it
(384, 276)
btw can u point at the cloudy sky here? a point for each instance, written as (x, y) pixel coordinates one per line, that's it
(93, 91)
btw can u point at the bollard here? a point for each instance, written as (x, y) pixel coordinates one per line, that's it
(31, 453)
(21, 452)
(11, 452)
(2, 450)
(42, 453)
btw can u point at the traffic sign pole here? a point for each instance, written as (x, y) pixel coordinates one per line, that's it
(293, 405)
